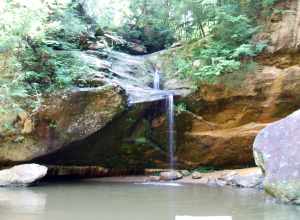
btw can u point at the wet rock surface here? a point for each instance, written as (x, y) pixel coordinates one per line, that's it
(132, 73)
(277, 150)
(22, 175)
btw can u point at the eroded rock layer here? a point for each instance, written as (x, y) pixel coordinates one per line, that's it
(61, 119)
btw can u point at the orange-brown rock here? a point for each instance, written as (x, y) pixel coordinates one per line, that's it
(282, 34)
(222, 119)
(223, 147)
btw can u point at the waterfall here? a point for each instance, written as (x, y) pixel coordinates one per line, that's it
(156, 80)
(170, 115)
(171, 129)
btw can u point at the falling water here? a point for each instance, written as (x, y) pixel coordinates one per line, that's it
(171, 130)
(156, 81)
(170, 114)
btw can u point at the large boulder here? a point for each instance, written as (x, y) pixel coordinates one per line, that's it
(61, 119)
(22, 175)
(277, 152)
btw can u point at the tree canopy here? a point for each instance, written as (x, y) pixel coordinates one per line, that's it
(33, 31)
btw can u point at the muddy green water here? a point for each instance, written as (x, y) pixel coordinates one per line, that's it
(92, 200)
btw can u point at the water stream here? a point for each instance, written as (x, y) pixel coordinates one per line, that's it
(171, 129)
(156, 81)
(170, 115)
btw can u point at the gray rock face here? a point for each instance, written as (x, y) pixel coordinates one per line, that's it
(277, 152)
(133, 73)
(22, 175)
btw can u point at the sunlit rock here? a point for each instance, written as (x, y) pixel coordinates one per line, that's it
(170, 175)
(22, 175)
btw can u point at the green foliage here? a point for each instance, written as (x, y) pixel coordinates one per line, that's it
(227, 48)
(181, 107)
(141, 140)
(232, 29)
(8, 127)
(244, 50)
(71, 25)
(149, 24)
(30, 33)
(154, 37)
(209, 72)
(53, 124)
(268, 3)
(227, 27)
(59, 70)
(184, 67)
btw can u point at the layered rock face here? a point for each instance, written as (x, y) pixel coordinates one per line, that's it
(60, 120)
(277, 150)
(222, 119)
(282, 31)
(282, 34)
(216, 128)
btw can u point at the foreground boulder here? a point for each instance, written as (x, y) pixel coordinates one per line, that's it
(277, 152)
(22, 175)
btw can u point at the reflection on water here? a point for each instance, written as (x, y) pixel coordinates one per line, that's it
(92, 200)
(17, 202)
(160, 184)
(23, 200)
